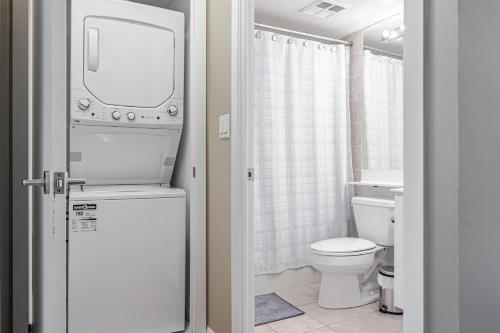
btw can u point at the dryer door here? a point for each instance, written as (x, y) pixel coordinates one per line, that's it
(128, 63)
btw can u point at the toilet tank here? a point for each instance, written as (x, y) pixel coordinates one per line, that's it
(374, 219)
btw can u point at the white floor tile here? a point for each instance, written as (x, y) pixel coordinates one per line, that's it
(315, 286)
(370, 323)
(263, 329)
(323, 330)
(369, 308)
(299, 296)
(329, 316)
(363, 319)
(299, 324)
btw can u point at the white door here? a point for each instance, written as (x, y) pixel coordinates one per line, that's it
(39, 155)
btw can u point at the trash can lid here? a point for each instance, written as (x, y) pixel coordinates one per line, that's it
(387, 270)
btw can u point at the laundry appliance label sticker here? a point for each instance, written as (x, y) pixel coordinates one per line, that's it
(84, 218)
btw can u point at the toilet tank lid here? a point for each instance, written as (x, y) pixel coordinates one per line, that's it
(372, 202)
(343, 245)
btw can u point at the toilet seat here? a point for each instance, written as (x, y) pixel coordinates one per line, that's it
(344, 246)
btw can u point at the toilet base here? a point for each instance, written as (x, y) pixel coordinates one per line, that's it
(340, 291)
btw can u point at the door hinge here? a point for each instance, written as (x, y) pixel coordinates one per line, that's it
(30, 328)
(194, 172)
(250, 174)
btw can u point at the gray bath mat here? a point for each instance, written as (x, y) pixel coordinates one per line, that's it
(271, 307)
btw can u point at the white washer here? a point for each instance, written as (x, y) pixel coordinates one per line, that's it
(126, 259)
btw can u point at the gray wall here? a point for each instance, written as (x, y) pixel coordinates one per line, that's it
(479, 142)
(441, 123)
(462, 163)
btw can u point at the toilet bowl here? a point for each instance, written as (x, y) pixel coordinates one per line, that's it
(345, 263)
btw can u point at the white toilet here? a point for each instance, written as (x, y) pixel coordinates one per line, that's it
(346, 263)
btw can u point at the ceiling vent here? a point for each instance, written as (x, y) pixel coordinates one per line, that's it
(324, 8)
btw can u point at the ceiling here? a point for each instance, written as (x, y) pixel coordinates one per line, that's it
(372, 35)
(361, 14)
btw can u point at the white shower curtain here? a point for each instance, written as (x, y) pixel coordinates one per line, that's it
(302, 148)
(383, 112)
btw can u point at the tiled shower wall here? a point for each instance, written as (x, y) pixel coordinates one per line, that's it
(356, 109)
(356, 100)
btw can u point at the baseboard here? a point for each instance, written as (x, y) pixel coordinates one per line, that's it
(209, 330)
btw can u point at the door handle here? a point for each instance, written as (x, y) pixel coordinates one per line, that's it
(45, 182)
(60, 182)
(93, 50)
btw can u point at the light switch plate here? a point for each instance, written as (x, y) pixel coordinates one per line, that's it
(224, 126)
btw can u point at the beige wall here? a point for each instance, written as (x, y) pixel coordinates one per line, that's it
(356, 100)
(218, 166)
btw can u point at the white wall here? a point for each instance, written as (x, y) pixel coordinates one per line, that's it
(182, 175)
(183, 172)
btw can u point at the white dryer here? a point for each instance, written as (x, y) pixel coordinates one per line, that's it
(127, 64)
(127, 89)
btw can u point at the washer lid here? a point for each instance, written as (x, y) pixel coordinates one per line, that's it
(107, 155)
(343, 245)
(123, 192)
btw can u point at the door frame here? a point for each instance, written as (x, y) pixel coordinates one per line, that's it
(242, 268)
(5, 169)
(21, 93)
(242, 276)
(198, 230)
(20, 145)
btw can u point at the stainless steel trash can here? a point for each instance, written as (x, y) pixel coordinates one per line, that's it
(386, 281)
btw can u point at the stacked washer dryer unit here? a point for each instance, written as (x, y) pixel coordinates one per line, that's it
(126, 226)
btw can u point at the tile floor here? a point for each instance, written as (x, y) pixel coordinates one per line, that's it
(364, 319)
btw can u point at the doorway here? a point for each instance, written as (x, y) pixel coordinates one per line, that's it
(245, 170)
(38, 143)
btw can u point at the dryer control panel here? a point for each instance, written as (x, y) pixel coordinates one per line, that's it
(86, 109)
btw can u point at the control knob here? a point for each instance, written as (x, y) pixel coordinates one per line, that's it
(131, 116)
(172, 110)
(116, 115)
(83, 104)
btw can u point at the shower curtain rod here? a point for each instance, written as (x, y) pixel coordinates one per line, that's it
(298, 33)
